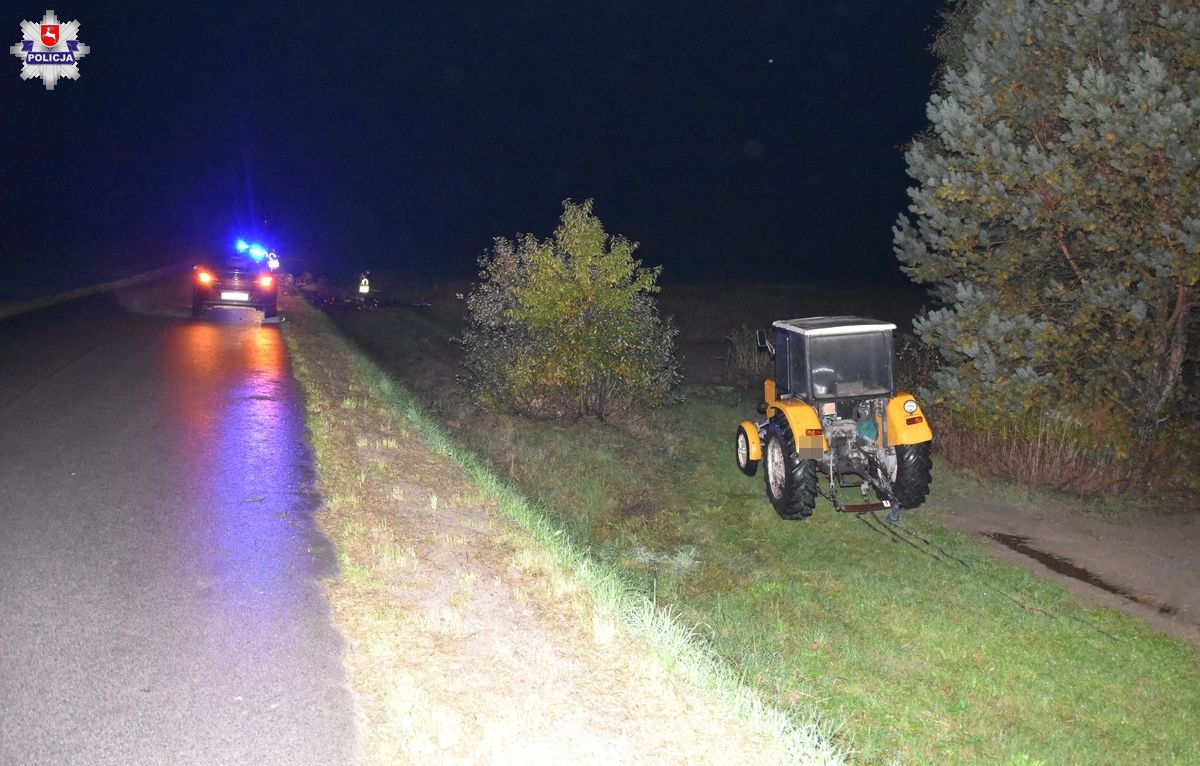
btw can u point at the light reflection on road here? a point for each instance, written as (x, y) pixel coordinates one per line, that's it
(247, 536)
(160, 595)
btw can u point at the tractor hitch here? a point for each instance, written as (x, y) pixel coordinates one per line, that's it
(863, 507)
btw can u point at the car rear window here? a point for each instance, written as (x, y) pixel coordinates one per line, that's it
(240, 262)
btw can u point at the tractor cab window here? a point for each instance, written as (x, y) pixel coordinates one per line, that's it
(797, 366)
(851, 365)
(782, 368)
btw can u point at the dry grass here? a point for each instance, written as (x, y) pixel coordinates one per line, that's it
(703, 313)
(744, 363)
(1044, 454)
(468, 642)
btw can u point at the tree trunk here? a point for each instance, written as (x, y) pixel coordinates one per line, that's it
(1169, 373)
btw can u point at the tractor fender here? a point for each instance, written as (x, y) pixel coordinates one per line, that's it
(905, 427)
(753, 439)
(806, 427)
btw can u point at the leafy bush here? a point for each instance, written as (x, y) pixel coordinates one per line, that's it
(568, 326)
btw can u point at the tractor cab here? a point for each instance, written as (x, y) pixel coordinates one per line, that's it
(826, 359)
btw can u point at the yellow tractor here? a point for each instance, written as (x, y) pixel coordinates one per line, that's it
(832, 410)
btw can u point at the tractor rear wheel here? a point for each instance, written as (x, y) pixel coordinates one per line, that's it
(914, 472)
(742, 450)
(791, 482)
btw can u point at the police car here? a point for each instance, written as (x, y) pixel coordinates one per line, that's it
(240, 279)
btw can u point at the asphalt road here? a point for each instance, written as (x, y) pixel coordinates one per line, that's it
(159, 565)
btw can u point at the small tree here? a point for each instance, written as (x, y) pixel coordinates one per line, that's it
(1057, 210)
(567, 326)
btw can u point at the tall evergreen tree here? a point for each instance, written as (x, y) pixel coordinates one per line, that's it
(1056, 211)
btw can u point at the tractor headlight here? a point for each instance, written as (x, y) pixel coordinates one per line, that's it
(910, 406)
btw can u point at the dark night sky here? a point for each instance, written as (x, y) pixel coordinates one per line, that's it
(727, 138)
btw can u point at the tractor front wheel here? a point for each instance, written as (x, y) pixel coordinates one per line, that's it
(914, 472)
(742, 448)
(791, 482)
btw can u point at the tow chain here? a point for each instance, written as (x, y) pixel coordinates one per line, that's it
(901, 534)
(898, 533)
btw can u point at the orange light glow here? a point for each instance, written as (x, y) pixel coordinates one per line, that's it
(265, 281)
(204, 277)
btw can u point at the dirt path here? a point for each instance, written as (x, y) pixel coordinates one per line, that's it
(1147, 564)
(465, 644)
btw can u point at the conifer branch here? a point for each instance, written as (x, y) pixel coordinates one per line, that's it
(1071, 260)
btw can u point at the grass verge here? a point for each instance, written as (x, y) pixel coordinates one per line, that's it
(372, 565)
(920, 662)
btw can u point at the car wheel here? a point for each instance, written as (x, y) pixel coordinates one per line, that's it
(742, 450)
(791, 482)
(270, 310)
(197, 306)
(914, 473)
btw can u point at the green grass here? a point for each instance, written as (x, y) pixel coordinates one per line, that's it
(918, 661)
(923, 662)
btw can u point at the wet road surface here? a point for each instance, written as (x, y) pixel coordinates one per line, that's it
(159, 595)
